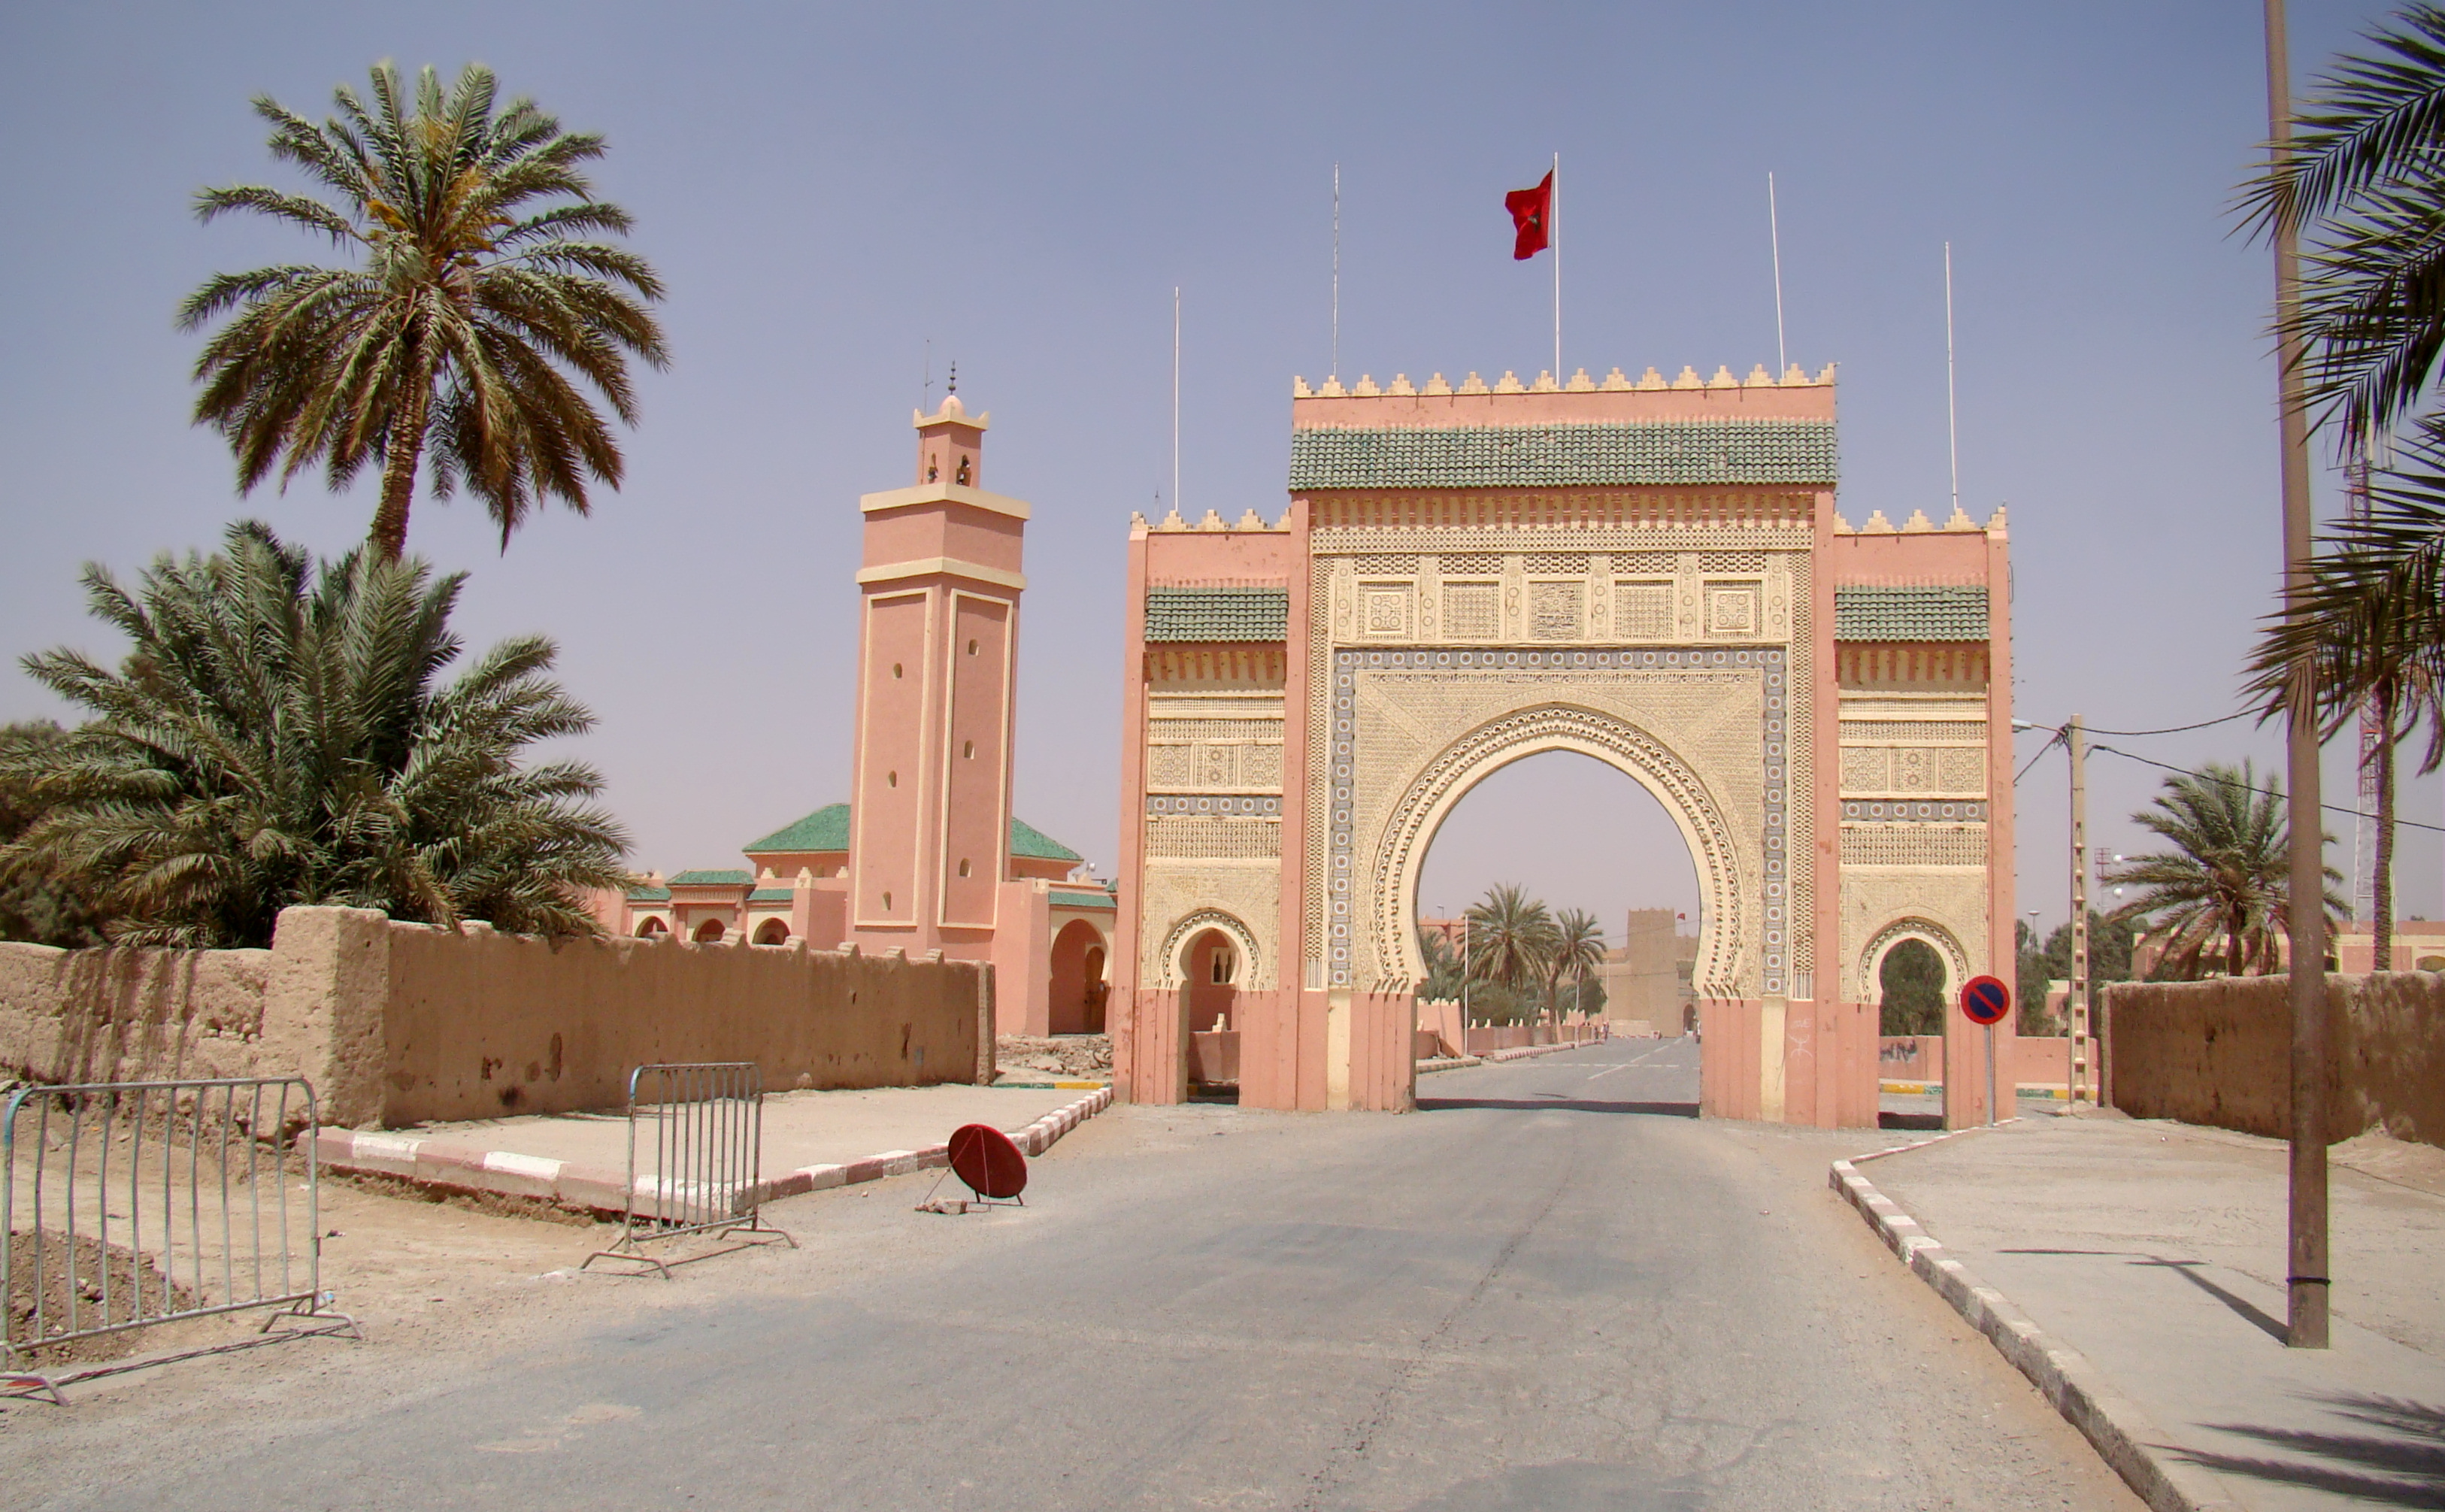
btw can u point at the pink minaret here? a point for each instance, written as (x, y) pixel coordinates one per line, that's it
(938, 643)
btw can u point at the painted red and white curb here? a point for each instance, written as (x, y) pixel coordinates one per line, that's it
(2123, 1435)
(599, 1189)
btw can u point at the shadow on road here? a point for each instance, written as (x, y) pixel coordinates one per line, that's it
(1582, 1105)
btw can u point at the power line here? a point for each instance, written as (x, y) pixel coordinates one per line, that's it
(2264, 793)
(2178, 729)
(2035, 759)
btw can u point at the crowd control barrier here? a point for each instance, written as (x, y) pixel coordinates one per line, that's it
(128, 1204)
(695, 1159)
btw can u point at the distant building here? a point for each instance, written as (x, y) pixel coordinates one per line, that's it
(1650, 979)
(929, 856)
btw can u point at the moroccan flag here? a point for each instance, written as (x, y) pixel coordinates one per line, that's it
(1531, 216)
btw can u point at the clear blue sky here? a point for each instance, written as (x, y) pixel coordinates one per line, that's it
(826, 188)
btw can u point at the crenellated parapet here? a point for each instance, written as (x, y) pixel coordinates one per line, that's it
(1616, 381)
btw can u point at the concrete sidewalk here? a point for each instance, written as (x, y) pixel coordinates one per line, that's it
(811, 1140)
(2155, 1251)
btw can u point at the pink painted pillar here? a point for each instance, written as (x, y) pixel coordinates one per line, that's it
(1127, 1004)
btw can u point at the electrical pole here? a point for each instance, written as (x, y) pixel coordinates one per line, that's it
(2306, 1279)
(2079, 1044)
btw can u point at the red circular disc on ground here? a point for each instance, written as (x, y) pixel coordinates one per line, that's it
(1985, 999)
(988, 1161)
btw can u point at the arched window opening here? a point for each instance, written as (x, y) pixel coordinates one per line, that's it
(1211, 980)
(709, 932)
(652, 925)
(772, 932)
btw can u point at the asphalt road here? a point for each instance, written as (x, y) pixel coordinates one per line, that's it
(1553, 1288)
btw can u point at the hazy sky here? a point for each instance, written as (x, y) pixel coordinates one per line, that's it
(827, 188)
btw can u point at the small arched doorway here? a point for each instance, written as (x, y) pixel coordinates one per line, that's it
(772, 932)
(709, 932)
(652, 928)
(1211, 968)
(1076, 1001)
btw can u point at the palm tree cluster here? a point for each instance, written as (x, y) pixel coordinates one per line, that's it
(2364, 187)
(485, 302)
(1518, 955)
(280, 734)
(2221, 895)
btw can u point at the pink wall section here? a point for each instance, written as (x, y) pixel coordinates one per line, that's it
(963, 532)
(887, 813)
(975, 783)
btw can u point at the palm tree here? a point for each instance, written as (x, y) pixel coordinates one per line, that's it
(279, 736)
(2364, 184)
(477, 304)
(1577, 948)
(1444, 974)
(1510, 936)
(2372, 626)
(2226, 878)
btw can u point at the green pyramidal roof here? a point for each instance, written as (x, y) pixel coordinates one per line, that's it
(827, 829)
(1027, 840)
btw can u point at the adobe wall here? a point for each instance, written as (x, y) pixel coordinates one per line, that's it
(400, 1023)
(2219, 1052)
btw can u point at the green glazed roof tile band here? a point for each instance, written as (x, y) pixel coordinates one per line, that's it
(712, 879)
(1085, 900)
(827, 829)
(1797, 452)
(649, 895)
(1218, 614)
(770, 895)
(1910, 613)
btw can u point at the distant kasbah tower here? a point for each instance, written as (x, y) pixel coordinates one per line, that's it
(938, 638)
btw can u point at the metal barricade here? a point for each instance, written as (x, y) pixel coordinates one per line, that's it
(126, 1204)
(695, 1159)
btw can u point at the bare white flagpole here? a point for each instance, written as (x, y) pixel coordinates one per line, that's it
(1175, 399)
(1554, 240)
(1336, 269)
(1951, 418)
(1774, 232)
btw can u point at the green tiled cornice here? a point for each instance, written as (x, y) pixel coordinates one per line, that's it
(1028, 841)
(827, 829)
(1218, 614)
(1928, 613)
(1683, 453)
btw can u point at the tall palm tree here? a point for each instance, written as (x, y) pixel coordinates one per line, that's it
(2225, 882)
(1510, 936)
(483, 299)
(280, 736)
(1578, 949)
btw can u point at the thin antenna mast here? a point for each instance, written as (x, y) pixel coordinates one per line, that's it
(1554, 240)
(926, 395)
(1336, 269)
(1175, 399)
(1774, 233)
(1951, 419)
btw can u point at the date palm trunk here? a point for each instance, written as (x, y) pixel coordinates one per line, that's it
(405, 448)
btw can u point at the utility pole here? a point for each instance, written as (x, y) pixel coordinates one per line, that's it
(2306, 1279)
(2079, 1046)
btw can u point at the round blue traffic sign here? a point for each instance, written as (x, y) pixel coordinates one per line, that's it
(1985, 999)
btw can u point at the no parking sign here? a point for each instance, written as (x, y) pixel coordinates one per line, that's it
(1985, 999)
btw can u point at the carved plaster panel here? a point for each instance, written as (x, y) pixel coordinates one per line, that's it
(1177, 897)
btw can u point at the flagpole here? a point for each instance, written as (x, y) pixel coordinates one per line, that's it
(1554, 240)
(1952, 420)
(1774, 232)
(1175, 399)
(1336, 269)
